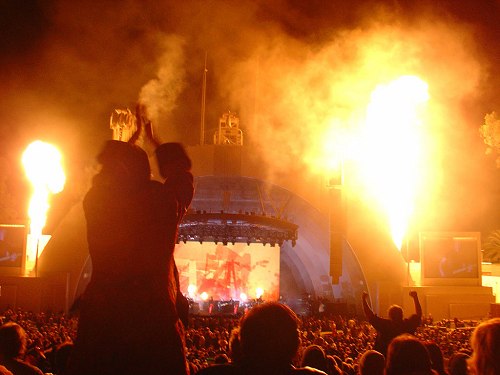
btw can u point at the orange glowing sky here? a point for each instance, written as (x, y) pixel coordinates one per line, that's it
(301, 75)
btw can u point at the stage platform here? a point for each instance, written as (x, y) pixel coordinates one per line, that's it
(34, 294)
(448, 302)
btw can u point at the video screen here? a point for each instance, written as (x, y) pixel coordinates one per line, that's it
(224, 272)
(12, 242)
(450, 257)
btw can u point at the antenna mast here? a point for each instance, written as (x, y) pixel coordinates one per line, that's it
(203, 99)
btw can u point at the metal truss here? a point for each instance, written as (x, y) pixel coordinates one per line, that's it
(227, 228)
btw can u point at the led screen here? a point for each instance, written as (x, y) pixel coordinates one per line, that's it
(12, 242)
(224, 272)
(450, 258)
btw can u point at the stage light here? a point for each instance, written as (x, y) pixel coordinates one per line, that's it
(243, 297)
(259, 292)
(204, 296)
(191, 290)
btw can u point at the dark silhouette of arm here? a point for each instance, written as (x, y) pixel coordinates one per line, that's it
(148, 126)
(138, 121)
(368, 311)
(418, 308)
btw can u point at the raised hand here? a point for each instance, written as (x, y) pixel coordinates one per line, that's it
(138, 121)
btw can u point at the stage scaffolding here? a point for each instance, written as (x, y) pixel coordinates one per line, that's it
(225, 227)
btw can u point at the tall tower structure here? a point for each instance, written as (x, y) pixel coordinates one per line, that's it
(229, 132)
(228, 142)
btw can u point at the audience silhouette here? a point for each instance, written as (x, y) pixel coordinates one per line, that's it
(457, 364)
(174, 166)
(485, 343)
(407, 355)
(436, 356)
(208, 338)
(13, 342)
(131, 231)
(269, 342)
(314, 356)
(371, 363)
(387, 329)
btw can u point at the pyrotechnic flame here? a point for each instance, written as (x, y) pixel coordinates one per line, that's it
(259, 292)
(42, 163)
(392, 148)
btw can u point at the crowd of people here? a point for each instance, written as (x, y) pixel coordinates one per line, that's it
(334, 344)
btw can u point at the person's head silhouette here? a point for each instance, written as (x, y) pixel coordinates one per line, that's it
(269, 335)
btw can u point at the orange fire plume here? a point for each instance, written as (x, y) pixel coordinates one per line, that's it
(392, 144)
(42, 163)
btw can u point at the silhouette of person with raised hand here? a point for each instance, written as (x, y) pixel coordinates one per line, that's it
(128, 320)
(387, 329)
(175, 168)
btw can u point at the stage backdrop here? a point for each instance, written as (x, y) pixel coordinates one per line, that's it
(225, 271)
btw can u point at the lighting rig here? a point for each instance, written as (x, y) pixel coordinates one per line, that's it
(225, 227)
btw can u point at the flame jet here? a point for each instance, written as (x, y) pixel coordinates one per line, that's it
(42, 163)
(393, 150)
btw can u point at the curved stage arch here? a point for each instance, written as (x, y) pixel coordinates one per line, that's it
(304, 268)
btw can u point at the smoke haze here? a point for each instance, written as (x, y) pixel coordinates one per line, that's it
(291, 69)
